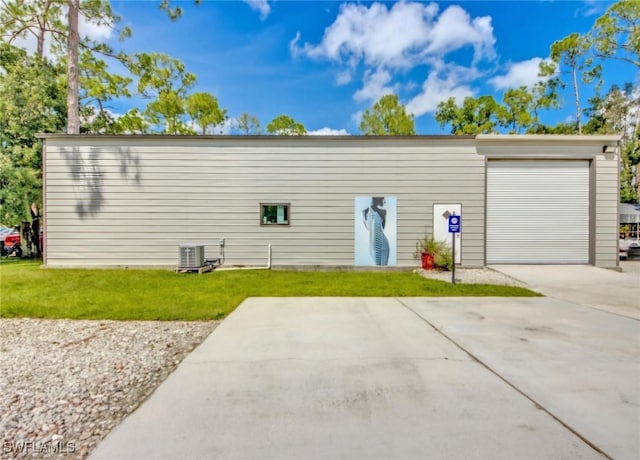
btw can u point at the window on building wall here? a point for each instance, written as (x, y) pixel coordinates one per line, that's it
(274, 213)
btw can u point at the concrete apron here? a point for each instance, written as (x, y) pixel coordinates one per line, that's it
(599, 288)
(371, 378)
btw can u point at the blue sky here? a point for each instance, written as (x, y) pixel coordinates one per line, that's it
(323, 63)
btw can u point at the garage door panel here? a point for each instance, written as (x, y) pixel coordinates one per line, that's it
(538, 212)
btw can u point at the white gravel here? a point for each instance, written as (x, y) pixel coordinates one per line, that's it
(64, 385)
(473, 276)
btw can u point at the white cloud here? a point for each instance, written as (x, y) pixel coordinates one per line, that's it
(343, 78)
(440, 86)
(374, 86)
(381, 42)
(328, 132)
(261, 6)
(294, 46)
(455, 30)
(94, 31)
(226, 127)
(400, 36)
(371, 34)
(524, 73)
(591, 8)
(357, 117)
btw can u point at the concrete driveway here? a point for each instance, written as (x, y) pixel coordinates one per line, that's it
(369, 378)
(609, 290)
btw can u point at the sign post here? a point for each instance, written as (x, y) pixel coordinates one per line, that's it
(455, 223)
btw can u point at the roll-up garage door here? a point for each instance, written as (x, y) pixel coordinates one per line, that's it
(537, 212)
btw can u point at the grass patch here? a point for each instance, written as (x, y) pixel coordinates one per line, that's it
(27, 290)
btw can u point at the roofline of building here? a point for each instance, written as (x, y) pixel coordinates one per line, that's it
(481, 138)
(242, 137)
(548, 137)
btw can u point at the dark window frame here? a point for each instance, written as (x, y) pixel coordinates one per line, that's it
(275, 224)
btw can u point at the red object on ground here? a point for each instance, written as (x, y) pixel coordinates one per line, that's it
(11, 239)
(427, 261)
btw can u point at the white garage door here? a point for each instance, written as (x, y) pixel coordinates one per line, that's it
(538, 212)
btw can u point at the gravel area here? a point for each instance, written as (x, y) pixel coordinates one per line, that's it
(473, 276)
(65, 384)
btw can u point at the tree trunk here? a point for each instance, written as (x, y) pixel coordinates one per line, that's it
(73, 43)
(40, 44)
(577, 95)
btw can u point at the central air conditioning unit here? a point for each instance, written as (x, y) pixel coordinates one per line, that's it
(191, 256)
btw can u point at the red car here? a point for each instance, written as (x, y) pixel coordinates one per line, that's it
(12, 238)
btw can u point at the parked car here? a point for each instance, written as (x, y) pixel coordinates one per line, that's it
(12, 239)
(9, 236)
(629, 249)
(633, 251)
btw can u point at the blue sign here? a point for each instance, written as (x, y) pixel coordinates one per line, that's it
(454, 224)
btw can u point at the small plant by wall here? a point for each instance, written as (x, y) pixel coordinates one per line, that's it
(439, 250)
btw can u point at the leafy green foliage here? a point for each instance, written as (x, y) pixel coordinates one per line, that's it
(174, 13)
(572, 56)
(132, 122)
(164, 295)
(518, 109)
(387, 117)
(32, 100)
(98, 86)
(248, 124)
(479, 115)
(619, 113)
(204, 110)
(616, 34)
(441, 252)
(284, 125)
(165, 81)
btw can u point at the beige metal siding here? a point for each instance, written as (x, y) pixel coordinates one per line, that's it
(133, 201)
(606, 210)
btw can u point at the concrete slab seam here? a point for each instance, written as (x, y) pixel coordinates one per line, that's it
(494, 372)
(585, 305)
(307, 360)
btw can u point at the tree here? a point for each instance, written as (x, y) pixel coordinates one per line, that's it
(284, 125)
(616, 34)
(167, 110)
(31, 100)
(518, 109)
(165, 81)
(476, 115)
(387, 117)
(132, 122)
(46, 17)
(571, 56)
(97, 87)
(204, 110)
(248, 124)
(618, 113)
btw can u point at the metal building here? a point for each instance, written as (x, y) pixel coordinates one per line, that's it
(329, 201)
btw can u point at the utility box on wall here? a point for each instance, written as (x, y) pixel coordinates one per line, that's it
(191, 256)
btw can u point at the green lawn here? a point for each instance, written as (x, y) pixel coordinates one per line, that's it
(28, 290)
